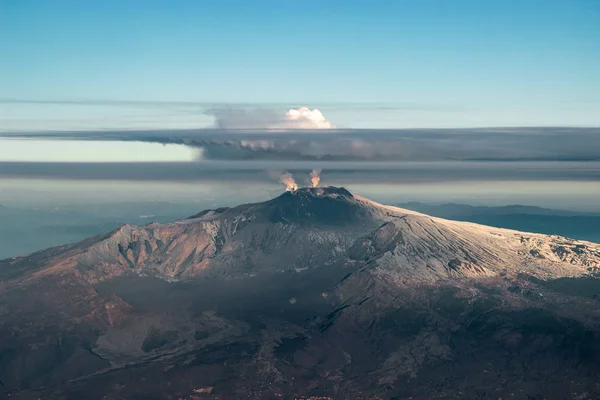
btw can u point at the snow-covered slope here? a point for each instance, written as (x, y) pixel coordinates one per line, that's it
(315, 227)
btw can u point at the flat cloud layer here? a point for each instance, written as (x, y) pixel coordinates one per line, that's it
(338, 173)
(514, 144)
(346, 156)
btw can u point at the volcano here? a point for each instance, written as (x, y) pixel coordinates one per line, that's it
(317, 292)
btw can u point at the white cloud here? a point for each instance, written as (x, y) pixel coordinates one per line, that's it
(311, 118)
(300, 118)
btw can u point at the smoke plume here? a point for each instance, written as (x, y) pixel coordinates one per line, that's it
(315, 178)
(288, 180)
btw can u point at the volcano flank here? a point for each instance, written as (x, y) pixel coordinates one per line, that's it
(317, 292)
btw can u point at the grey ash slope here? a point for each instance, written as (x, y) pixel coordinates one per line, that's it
(316, 292)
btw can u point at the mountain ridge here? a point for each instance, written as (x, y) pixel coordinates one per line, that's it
(184, 248)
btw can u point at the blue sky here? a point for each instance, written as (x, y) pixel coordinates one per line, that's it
(492, 62)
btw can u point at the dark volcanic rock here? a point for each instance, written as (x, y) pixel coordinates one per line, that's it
(315, 207)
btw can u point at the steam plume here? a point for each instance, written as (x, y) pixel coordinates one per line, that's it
(288, 180)
(315, 178)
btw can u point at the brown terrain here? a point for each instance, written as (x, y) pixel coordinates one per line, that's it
(316, 294)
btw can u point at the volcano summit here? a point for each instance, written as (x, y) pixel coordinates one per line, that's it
(317, 292)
